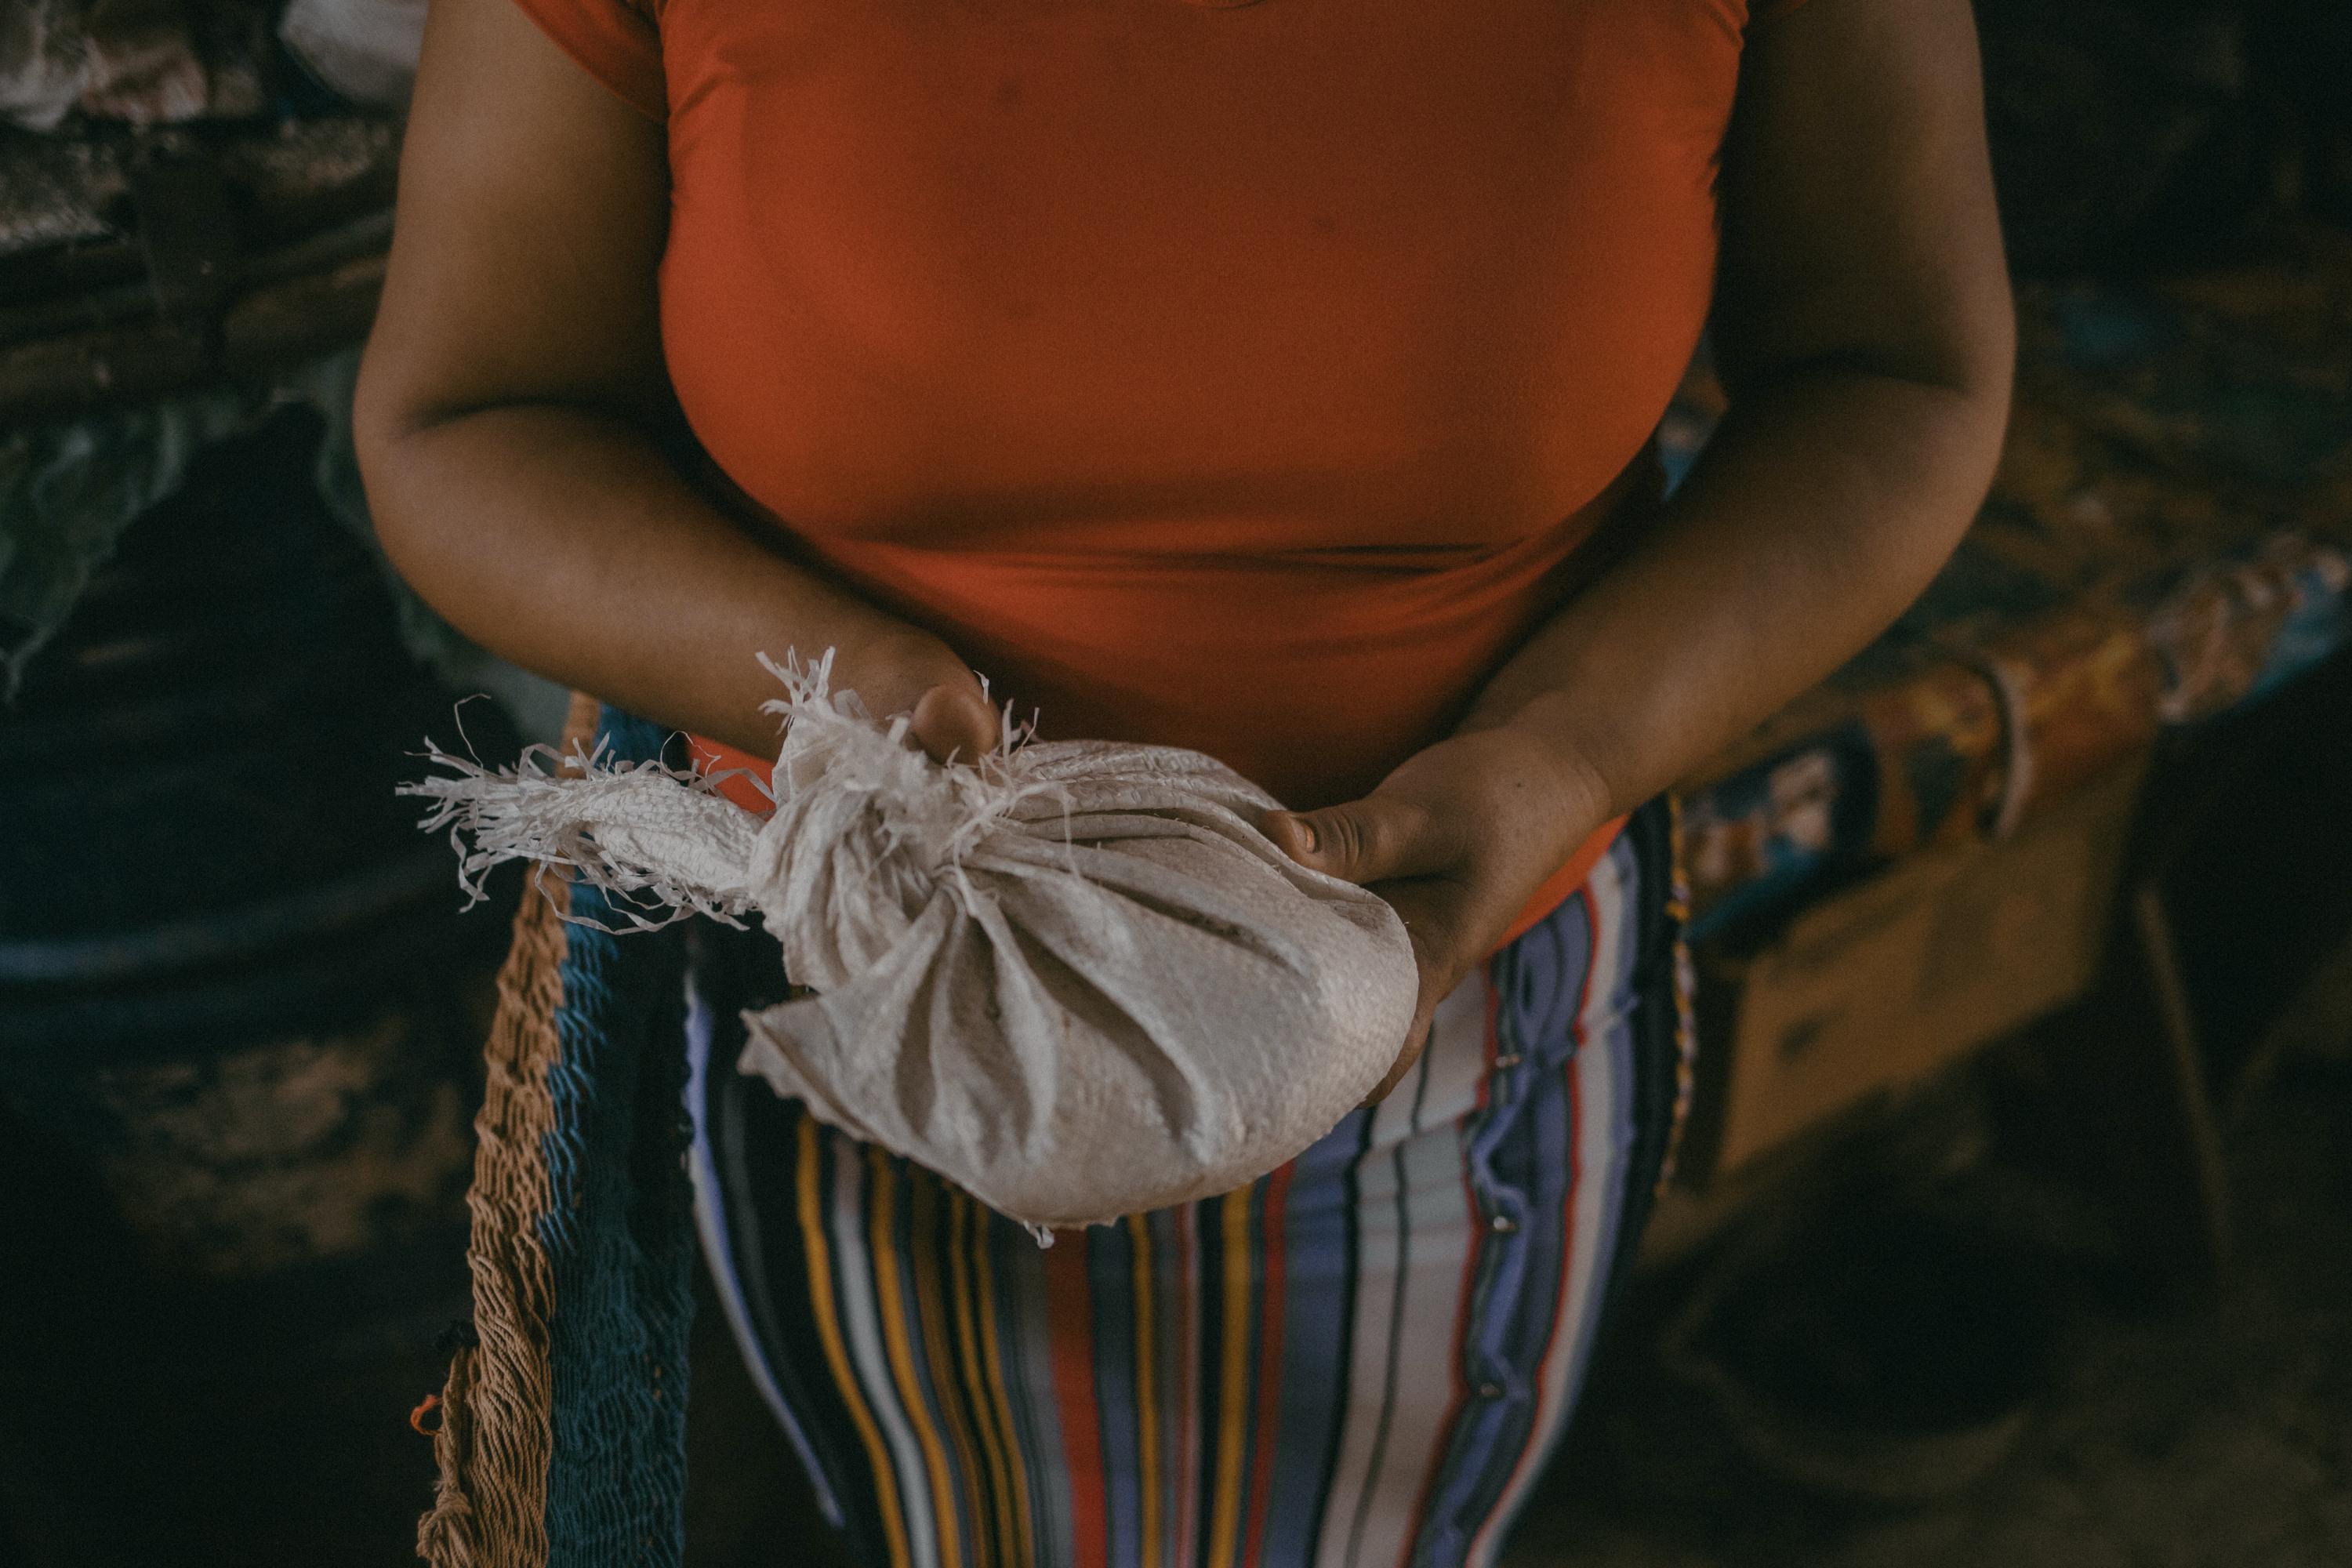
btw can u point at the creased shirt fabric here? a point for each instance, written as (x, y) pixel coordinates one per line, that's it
(1246, 379)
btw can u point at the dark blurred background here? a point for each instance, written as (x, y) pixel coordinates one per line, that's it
(2015, 1222)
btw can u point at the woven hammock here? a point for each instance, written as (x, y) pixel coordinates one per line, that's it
(562, 1435)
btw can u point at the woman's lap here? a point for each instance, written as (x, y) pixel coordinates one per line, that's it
(1359, 1360)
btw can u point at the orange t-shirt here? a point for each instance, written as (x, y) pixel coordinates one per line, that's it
(1239, 377)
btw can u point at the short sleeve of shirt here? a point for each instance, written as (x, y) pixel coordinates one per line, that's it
(615, 41)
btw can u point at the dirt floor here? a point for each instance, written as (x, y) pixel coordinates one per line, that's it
(2212, 1433)
(2168, 1432)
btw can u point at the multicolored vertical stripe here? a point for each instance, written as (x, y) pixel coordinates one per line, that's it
(1360, 1362)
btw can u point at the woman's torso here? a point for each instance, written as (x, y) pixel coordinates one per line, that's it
(1233, 377)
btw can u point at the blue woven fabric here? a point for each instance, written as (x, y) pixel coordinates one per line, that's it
(619, 1234)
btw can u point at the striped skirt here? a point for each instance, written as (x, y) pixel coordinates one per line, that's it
(1360, 1360)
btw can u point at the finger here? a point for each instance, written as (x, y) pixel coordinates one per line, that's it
(952, 722)
(1370, 840)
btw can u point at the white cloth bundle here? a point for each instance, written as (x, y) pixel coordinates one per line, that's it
(1074, 978)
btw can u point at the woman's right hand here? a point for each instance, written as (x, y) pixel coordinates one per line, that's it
(504, 406)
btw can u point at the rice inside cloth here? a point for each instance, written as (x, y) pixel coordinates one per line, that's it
(1071, 977)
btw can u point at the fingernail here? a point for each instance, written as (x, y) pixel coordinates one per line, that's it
(1307, 831)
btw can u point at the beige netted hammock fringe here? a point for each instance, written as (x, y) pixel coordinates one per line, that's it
(490, 1451)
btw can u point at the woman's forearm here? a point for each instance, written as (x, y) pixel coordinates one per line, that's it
(507, 400)
(563, 539)
(1826, 501)
(1864, 325)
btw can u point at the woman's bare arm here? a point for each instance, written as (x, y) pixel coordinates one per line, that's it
(507, 404)
(1865, 327)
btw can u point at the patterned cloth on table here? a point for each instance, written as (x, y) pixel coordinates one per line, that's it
(2169, 538)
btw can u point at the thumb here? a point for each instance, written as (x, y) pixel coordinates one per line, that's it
(953, 720)
(1374, 839)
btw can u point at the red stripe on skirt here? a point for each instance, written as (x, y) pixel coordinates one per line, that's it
(1070, 1301)
(1270, 1365)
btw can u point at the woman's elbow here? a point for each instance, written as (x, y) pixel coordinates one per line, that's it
(1985, 355)
(1985, 375)
(387, 420)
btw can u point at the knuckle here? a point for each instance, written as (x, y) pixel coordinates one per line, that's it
(1349, 845)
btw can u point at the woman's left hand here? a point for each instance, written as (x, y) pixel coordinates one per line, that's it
(1457, 839)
